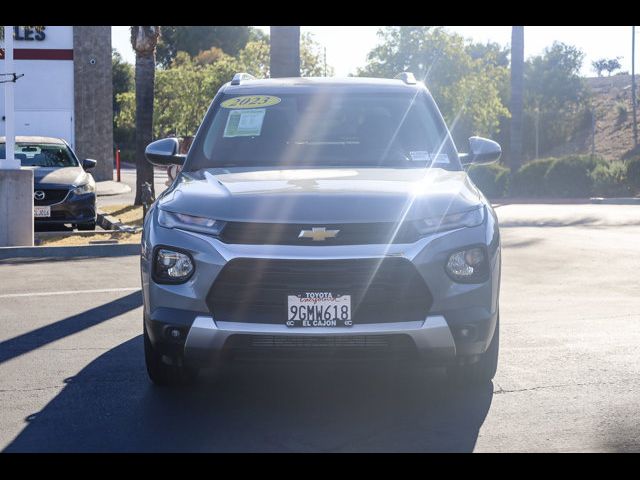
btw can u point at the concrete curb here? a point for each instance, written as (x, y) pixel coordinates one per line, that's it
(109, 187)
(616, 201)
(116, 250)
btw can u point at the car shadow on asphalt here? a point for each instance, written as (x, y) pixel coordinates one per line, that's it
(16, 346)
(110, 406)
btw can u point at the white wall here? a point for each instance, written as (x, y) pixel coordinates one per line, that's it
(44, 96)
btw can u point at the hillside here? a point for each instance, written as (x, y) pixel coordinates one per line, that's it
(614, 128)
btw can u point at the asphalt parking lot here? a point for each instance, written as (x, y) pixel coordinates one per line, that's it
(72, 373)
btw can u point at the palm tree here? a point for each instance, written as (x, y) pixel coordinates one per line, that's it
(517, 94)
(285, 52)
(144, 40)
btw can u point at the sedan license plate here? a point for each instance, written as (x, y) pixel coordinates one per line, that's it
(319, 309)
(41, 212)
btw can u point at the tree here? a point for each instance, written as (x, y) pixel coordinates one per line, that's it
(255, 58)
(608, 65)
(144, 40)
(195, 39)
(517, 95)
(312, 58)
(184, 91)
(467, 89)
(123, 78)
(555, 92)
(284, 52)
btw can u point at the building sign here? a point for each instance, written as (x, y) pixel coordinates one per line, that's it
(42, 43)
(29, 34)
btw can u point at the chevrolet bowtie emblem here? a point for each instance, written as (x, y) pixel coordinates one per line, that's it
(318, 234)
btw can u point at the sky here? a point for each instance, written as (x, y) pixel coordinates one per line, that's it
(347, 47)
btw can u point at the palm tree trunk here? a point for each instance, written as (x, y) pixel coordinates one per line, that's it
(145, 82)
(284, 52)
(144, 40)
(517, 94)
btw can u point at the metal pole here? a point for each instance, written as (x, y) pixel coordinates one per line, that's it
(325, 61)
(593, 133)
(537, 129)
(10, 161)
(118, 162)
(633, 85)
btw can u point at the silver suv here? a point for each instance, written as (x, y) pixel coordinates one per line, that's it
(323, 218)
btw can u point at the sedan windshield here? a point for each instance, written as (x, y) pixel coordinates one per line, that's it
(325, 129)
(42, 155)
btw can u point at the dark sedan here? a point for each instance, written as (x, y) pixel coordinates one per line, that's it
(64, 193)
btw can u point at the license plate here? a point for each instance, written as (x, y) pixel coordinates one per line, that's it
(41, 211)
(319, 309)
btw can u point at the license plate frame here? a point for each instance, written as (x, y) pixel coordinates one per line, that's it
(334, 310)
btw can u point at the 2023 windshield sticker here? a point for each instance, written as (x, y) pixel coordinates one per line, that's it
(250, 101)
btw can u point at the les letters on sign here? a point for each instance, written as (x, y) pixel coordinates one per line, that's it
(29, 33)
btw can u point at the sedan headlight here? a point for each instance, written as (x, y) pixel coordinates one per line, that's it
(86, 188)
(189, 222)
(469, 218)
(171, 266)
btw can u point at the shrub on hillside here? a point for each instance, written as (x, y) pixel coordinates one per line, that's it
(491, 179)
(633, 173)
(610, 180)
(530, 178)
(570, 176)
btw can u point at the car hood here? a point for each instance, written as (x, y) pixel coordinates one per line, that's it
(66, 176)
(325, 195)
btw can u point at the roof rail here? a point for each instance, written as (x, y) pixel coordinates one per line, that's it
(238, 77)
(407, 77)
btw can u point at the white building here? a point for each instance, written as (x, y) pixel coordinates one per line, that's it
(66, 90)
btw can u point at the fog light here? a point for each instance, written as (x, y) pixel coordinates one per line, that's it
(175, 333)
(172, 267)
(468, 266)
(467, 332)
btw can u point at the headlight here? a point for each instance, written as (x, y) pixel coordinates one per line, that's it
(189, 222)
(86, 188)
(468, 266)
(170, 266)
(470, 218)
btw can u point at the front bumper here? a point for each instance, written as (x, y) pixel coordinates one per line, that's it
(437, 337)
(73, 209)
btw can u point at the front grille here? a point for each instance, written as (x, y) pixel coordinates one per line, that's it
(348, 234)
(51, 196)
(382, 290)
(320, 346)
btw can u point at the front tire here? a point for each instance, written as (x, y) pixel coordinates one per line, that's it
(162, 374)
(484, 369)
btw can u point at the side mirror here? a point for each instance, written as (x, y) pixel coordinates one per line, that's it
(88, 163)
(481, 150)
(163, 153)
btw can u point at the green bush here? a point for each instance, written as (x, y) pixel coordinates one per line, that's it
(633, 173)
(491, 179)
(529, 179)
(610, 180)
(570, 176)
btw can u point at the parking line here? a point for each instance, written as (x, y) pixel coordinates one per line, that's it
(68, 292)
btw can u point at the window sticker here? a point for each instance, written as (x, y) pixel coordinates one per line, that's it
(441, 158)
(431, 158)
(250, 101)
(244, 123)
(420, 156)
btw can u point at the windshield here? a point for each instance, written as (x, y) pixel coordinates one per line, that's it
(326, 128)
(42, 155)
